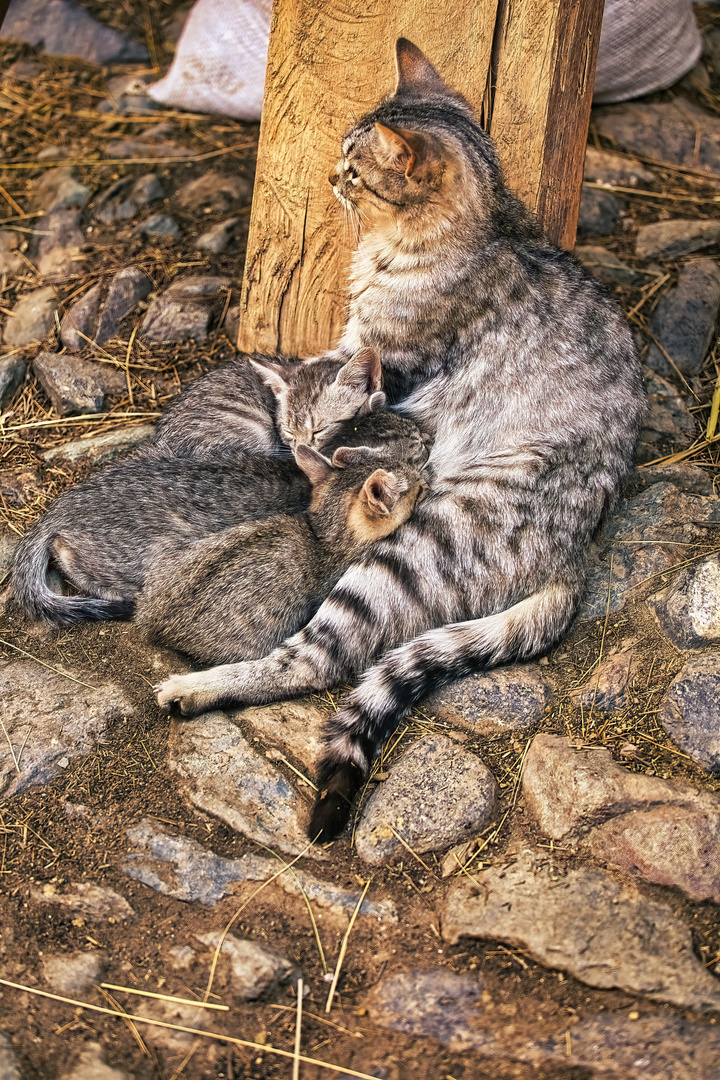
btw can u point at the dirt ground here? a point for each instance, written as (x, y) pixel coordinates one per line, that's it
(126, 778)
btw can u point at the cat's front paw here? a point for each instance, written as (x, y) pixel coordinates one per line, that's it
(185, 694)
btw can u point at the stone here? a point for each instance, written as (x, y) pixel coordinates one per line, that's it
(607, 687)
(32, 318)
(63, 28)
(668, 844)
(168, 320)
(220, 773)
(676, 131)
(198, 287)
(568, 790)
(105, 205)
(669, 422)
(76, 385)
(294, 726)
(11, 263)
(27, 70)
(675, 238)
(57, 245)
(585, 923)
(7, 553)
(19, 486)
(604, 167)
(181, 957)
(51, 717)
(684, 320)
(99, 449)
(91, 1065)
(435, 1003)
(80, 319)
(138, 148)
(59, 189)
(147, 189)
(71, 973)
(59, 153)
(219, 237)
(215, 193)
(606, 267)
(158, 225)
(180, 867)
(232, 323)
(689, 478)
(689, 610)
(127, 288)
(599, 211)
(95, 903)
(437, 794)
(8, 1063)
(690, 710)
(254, 968)
(507, 699)
(12, 374)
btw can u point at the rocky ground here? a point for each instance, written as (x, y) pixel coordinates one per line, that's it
(531, 884)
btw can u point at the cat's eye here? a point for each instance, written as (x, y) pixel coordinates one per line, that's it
(351, 172)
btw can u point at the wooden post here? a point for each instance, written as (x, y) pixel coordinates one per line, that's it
(331, 60)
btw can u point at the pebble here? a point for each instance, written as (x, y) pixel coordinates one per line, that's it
(71, 973)
(599, 211)
(56, 248)
(10, 262)
(606, 267)
(675, 238)
(220, 773)
(169, 320)
(437, 794)
(254, 968)
(96, 903)
(689, 610)
(158, 225)
(689, 478)
(125, 291)
(32, 317)
(677, 131)
(91, 1065)
(64, 28)
(604, 167)
(59, 189)
(690, 710)
(215, 193)
(685, 318)
(99, 449)
(77, 385)
(59, 153)
(607, 688)
(79, 321)
(138, 148)
(585, 923)
(507, 699)
(12, 374)
(51, 717)
(219, 237)
(197, 287)
(117, 203)
(669, 422)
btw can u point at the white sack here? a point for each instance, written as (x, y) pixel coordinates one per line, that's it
(219, 64)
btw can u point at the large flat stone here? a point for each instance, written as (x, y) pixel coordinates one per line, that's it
(31, 318)
(507, 699)
(96, 903)
(690, 710)
(75, 384)
(63, 28)
(689, 610)
(254, 968)
(295, 727)
(676, 131)
(56, 247)
(100, 448)
(607, 168)
(673, 239)
(12, 373)
(585, 923)
(669, 423)
(684, 320)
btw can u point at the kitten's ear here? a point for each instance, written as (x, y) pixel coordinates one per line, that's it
(377, 401)
(313, 464)
(416, 75)
(363, 372)
(406, 150)
(381, 491)
(273, 375)
(356, 455)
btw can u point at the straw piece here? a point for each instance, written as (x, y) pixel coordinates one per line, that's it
(298, 1032)
(49, 666)
(343, 949)
(165, 997)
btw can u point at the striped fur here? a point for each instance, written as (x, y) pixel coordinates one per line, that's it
(526, 375)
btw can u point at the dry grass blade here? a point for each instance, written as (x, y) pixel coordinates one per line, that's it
(89, 418)
(343, 948)
(408, 848)
(16, 762)
(298, 1031)
(165, 997)
(131, 1026)
(48, 666)
(681, 455)
(714, 410)
(322, 1019)
(101, 162)
(262, 1047)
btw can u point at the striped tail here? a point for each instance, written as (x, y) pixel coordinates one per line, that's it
(388, 691)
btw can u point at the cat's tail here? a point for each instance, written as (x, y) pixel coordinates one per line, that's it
(390, 689)
(32, 592)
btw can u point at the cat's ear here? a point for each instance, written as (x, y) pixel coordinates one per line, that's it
(406, 150)
(363, 372)
(273, 375)
(381, 491)
(377, 401)
(313, 464)
(356, 455)
(415, 73)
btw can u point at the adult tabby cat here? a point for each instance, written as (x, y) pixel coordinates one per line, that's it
(527, 376)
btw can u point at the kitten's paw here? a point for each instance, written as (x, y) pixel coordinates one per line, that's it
(182, 694)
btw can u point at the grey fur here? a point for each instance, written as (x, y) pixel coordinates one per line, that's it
(238, 594)
(527, 375)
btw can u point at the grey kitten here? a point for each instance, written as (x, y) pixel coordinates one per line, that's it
(527, 375)
(101, 534)
(238, 594)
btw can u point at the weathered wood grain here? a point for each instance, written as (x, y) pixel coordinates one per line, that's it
(329, 61)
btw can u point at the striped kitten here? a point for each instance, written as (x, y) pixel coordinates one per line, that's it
(527, 376)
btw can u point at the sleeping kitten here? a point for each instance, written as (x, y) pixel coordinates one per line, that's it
(237, 594)
(526, 373)
(100, 534)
